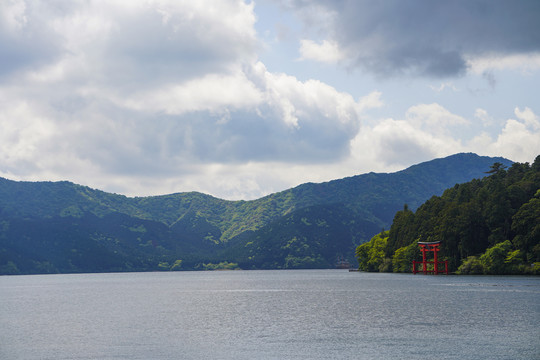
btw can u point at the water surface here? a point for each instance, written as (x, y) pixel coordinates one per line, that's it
(282, 314)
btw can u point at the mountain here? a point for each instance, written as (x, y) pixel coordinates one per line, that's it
(64, 227)
(485, 226)
(312, 237)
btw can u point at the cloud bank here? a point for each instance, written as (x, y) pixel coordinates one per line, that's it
(154, 89)
(153, 97)
(423, 37)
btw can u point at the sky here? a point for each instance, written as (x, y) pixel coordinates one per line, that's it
(240, 99)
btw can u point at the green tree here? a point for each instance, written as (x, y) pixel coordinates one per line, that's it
(10, 268)
(362, 256)
(514, 262)
(164, 266)
(494, 259)
(526, 225)
(471, 266)
(224, 265)
(404, 256)
(177, 265)
(376, 252)
(496, 168)
(403, 230)
(371, 255)
(306, 262)
(489, 225)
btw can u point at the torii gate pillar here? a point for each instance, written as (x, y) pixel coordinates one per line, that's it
(432, 247)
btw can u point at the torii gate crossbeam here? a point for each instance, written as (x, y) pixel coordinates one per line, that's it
(432, 247)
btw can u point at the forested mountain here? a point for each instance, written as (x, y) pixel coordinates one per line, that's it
(485, 226)
(312, 237)
(64, 227)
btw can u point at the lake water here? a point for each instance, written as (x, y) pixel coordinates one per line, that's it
(282, 314)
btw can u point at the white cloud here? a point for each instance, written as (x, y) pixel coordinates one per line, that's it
(211, 92)
(423, 134)
(12, 13)
(399, 143)
(483, 116)
(303, 103)
(406, 142)
(520, 62)
(433, 118)
(326, 52)
(443, 86)
(519, 140)
(530, 119)
(149, 97)
(370, 101)
(23, 135)
(138, 90)
(121, 44)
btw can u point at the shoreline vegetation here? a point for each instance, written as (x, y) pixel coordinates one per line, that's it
(489, 226)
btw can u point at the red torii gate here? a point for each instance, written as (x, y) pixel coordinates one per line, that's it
(430, 246)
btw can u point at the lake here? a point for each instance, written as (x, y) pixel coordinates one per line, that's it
(281, 314)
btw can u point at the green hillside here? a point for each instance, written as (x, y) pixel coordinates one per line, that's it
(485, 226)
(312, 237)
(63, 227)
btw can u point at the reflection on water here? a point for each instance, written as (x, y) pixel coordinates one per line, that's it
(301, 314)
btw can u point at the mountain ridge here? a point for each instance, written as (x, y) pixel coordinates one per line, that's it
(170, 208)
(200, 226)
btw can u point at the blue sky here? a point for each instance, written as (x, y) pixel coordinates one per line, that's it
(240, 99)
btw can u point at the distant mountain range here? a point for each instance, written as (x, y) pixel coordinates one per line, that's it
(64, 227)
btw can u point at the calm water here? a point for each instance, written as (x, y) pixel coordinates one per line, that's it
(311, 314)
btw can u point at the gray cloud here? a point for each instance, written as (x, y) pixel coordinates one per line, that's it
(154, 47)
(133, 144)
(156, 97)
(125, 44)
(425, 37)
(25, 44)
(394, 150)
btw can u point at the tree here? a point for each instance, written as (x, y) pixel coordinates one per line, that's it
(376, 253)
(496, 168)
(526, 225)
(371, 255)
(514, 262)
(493, 260)
(177, 265)
(362, 256)
(471, 266)
(402, 232)
(404, 256)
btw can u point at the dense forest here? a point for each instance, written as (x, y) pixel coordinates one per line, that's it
(485, 226)
(61, 227)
